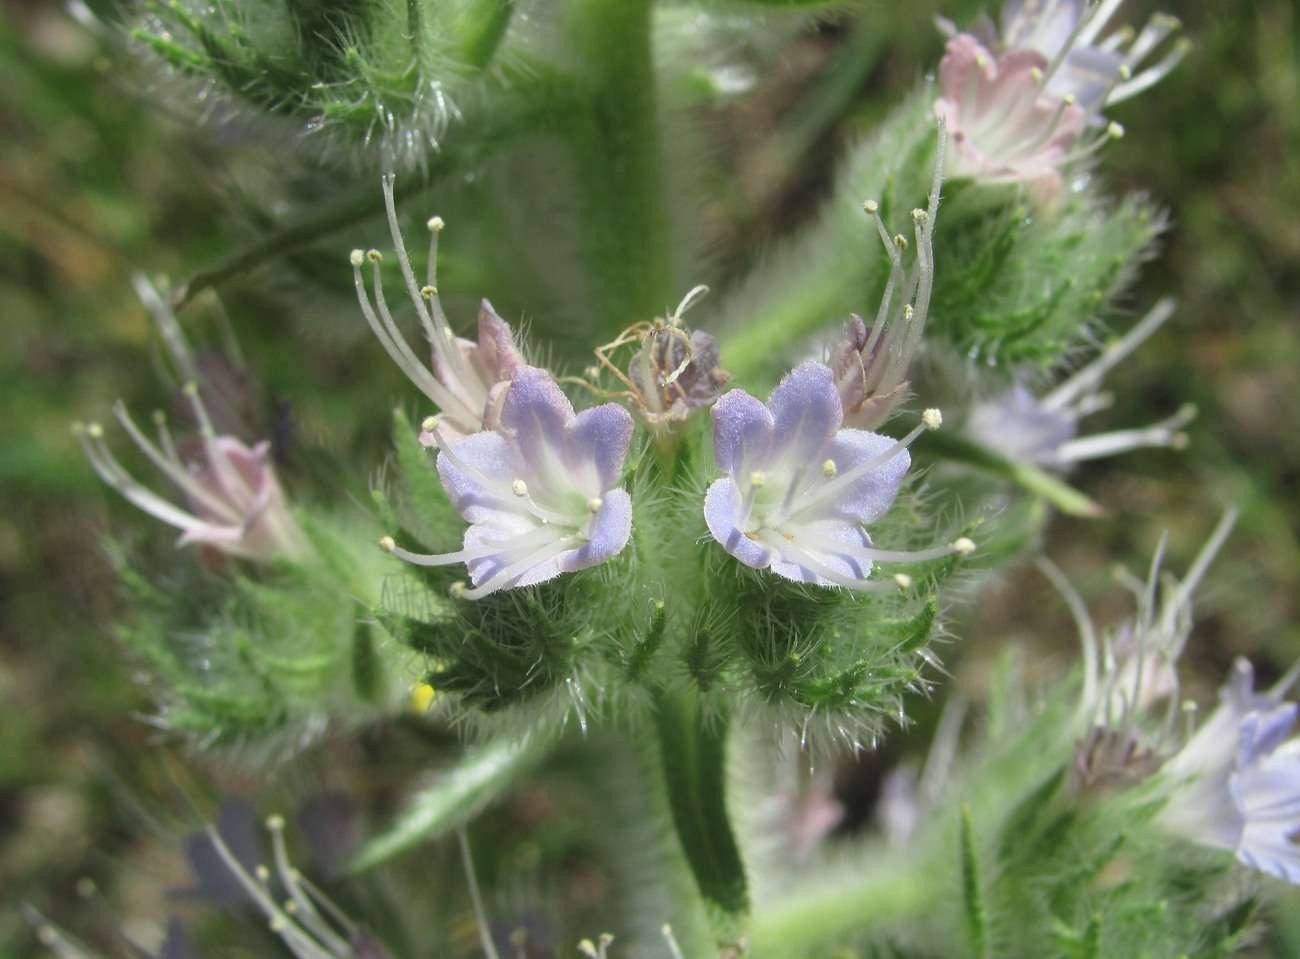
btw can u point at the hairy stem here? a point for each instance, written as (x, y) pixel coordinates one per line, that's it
(618, 153)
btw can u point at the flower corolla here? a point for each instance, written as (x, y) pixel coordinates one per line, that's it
(1236, 783)
(468, 379)
(541, 492)
(799, 490)
(1019, 101)
(233, 498)
(1004, 127)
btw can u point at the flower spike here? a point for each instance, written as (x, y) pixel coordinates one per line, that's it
(799, 490)
(540, 493)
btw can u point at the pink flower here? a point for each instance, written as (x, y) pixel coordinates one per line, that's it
(1005, 127)
(234, 500)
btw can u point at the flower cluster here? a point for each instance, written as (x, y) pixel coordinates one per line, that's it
(1023, 102)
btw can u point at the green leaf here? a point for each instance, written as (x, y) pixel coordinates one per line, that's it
(977, 919)
(460, 793)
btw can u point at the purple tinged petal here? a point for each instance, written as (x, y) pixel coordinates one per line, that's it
(806, 412)
(610, 532)
(870, 498)
(486, 455)
(600, 437)
(501, 358)
(742, 432)
(1262, 733)
(724, 514)
(842, 562)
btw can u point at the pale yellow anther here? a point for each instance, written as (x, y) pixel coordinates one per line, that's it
(588, 948)
(428, 292)
(275, 823)
(872, 207)
(908, 311)
(1070, 99)
(278, 924)
(159, 417)
(429, 424)
(374, 256)
(1125, 72)
(920, 217)
(981, 61)
(1115, 130)
(903, 580)
(829, 469)
(1179, 441)
(606, 938)
(387, 544)
(932, 418)
(595, 503)
(95, 431)
(435, 224)
(190, 389)
(757, 478)
(457, 590)
(357, 257)
(1036, 74)
(963, 546)
(900, 241)
(290, 906)
(519, 488)
(262, 873)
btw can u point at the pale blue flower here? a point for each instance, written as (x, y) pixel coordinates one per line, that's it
(541, 494)
(799, 490)
(1237, 780)
(1043, 431)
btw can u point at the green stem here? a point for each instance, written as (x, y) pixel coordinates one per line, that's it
(618, 154)
(693, 753)
(951, 447)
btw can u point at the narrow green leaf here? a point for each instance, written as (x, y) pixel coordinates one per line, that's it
(693, 752)
(482, 775)
(977, 920)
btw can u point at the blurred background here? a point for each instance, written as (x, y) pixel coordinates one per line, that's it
(104, 171)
